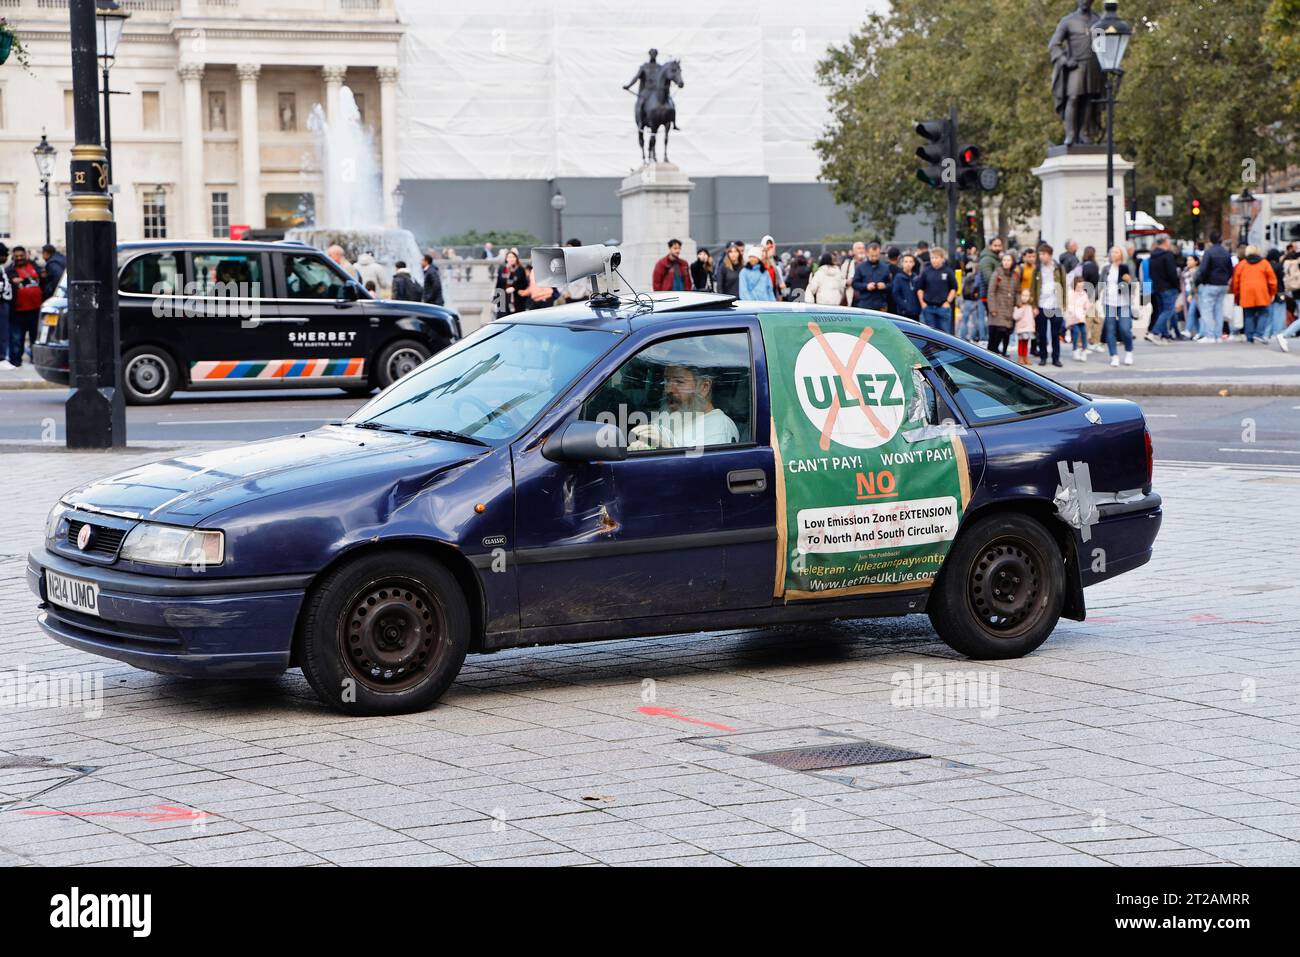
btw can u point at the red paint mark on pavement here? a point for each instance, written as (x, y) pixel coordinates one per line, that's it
(670, 713)
(160, 814)
(1210, 617)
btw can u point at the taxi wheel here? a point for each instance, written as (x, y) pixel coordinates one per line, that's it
(385, 634)
(398, 359)
(149, 375)
(1001, 589)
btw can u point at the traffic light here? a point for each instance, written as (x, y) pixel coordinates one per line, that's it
(1196, 207)
(972, 221)
(938, 136)
(970, 174)
(968, 158)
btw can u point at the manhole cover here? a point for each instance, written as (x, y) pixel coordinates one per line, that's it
(821, 757)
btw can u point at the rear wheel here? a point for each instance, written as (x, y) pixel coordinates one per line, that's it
(149, 375)
(398, 359)
(385, 634)
(1001, 589)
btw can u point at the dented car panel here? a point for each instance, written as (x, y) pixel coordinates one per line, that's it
(662, 541)
(654, 535)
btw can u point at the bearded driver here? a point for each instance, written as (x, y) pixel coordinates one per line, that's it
(688, 417)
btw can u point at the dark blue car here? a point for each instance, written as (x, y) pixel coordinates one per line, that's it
(665, 465)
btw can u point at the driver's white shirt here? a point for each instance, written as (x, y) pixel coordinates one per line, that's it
(689, 429)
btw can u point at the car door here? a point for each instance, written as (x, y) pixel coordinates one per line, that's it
(229, 318)
(686, 523)
(324, 332)
(150, 298)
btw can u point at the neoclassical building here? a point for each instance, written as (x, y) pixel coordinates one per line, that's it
(210, 111)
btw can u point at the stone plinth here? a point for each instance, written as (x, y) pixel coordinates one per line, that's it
(656, 208)
(1074, 197)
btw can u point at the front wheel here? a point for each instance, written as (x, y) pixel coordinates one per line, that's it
(384, 634)
(398, 359)
(149, 375)
(1001, 589)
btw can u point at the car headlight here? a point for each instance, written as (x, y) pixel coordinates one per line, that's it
(55, 525)
(168, 545)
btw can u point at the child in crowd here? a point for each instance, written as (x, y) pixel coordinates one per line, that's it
(1024, 320)
(1076, 319)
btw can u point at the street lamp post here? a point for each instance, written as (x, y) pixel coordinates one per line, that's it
(1110, 36)
(45, 158)
(398, 199)
(110, 19)
(558, 202)
(1243, 208)
(95, 411)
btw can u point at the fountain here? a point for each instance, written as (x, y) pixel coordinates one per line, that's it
(353, 192)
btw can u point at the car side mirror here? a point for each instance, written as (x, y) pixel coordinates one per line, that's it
(349, 292)
(583, 441)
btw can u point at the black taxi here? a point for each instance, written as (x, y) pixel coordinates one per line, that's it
(249, 315)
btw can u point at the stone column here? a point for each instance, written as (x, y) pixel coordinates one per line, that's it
(333, 86)
(388, 141)
(193, 189)
(656, 208)
(253, 209)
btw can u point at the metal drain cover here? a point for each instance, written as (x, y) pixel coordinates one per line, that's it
(822, 756)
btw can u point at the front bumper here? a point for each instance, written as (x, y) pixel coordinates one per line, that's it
(213, 627)
(51, 361)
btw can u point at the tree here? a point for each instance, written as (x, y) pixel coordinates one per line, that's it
(911, 63)
(1202, 104)
(1282, 44)
(1200, 97)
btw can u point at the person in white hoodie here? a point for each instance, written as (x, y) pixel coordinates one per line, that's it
(826, 288)
(371, 271)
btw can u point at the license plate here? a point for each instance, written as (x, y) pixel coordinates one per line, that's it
(72, 593)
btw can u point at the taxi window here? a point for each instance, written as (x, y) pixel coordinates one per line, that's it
(156, 274)
(228, 274)
(690, 392)
(986, 394)
(308, 277)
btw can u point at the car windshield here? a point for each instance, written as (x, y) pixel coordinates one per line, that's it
(488, 386)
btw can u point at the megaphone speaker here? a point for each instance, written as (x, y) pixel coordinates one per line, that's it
(560, 265)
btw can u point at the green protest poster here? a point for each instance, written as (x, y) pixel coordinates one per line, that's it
(868, 498)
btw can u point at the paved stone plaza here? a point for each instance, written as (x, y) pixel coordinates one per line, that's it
(1165, 730)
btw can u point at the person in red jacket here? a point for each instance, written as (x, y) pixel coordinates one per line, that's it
(672, 273)
(25, 279)
(1254, 287)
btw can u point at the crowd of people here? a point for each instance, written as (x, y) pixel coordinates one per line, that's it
(1025, 303)
(400, 284)
(25, 284)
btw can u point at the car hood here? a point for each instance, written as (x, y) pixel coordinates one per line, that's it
(406, 307)
(186, 489)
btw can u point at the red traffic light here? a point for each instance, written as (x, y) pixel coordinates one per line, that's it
(970, 155)
(1196, 207)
